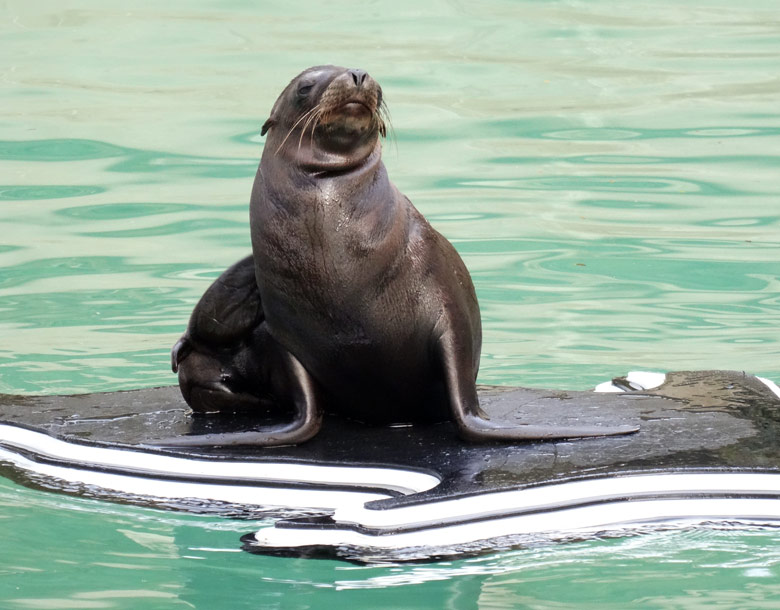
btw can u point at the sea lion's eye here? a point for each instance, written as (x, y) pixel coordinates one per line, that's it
(304, 90)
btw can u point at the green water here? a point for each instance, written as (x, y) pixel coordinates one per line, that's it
(609, 171)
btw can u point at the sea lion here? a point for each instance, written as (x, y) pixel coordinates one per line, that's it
(370, 311)
(227, 362)
(222, 358)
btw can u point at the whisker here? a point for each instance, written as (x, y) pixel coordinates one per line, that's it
(387, 123)
(313, 120)
(289, 133)
(317, 120)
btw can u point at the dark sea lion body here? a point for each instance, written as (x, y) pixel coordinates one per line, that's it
(228, 363)
(371, 312)
(223, 358)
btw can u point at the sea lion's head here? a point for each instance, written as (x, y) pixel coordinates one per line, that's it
(221, 379)
(327, 114)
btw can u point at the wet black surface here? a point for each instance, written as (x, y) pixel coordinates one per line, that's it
(696, 420)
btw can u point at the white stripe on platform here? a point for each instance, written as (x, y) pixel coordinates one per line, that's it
(546, 497)
(645, 380)
(130, 464)
(479, 518)
(771, 385)
(250, 496)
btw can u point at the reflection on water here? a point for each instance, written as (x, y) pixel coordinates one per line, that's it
(608, 171)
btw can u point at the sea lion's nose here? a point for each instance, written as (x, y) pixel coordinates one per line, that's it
(358, 76)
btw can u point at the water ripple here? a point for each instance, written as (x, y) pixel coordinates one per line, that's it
(127, 160)
(48, 191)
(614, 183)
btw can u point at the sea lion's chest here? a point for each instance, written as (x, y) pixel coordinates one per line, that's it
(326, 257)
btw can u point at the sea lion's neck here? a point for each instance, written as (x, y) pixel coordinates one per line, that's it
(322, 164)
(313, 175)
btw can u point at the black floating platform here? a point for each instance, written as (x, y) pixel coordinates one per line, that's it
(708, 451)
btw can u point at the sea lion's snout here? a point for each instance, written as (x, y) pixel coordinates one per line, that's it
(349, 114)
(351, 89)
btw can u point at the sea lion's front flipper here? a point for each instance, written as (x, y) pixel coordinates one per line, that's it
(472, 422)
(299, 387)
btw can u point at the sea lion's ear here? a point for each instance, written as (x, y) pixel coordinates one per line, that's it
(267, 125)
